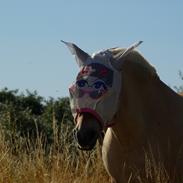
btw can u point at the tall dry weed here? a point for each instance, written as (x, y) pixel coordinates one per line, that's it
(26, 162)
(22, 161)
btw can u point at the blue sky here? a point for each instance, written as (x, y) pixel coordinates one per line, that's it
(32, 56)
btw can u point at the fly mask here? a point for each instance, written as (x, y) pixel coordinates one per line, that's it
(97, 86)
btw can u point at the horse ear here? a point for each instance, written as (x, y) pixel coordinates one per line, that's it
(120, 57)
(80, 55)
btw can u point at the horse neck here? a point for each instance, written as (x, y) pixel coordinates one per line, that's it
(145, 102)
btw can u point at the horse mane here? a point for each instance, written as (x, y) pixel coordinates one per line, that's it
(136, 61)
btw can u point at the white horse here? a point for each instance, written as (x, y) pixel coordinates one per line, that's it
(118, 90)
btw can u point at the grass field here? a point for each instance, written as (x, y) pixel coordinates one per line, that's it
(36, 145)
(22, 161)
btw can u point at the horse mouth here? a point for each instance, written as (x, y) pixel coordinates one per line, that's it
(87, 132)
(88, 146)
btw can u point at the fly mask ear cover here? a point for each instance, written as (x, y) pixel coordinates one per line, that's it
(96, 89)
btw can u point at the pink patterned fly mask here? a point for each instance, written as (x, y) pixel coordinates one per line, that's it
(97, 86)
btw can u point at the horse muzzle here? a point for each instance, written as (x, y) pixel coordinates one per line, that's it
(85, 140)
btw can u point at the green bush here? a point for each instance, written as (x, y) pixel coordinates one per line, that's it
(30, 115)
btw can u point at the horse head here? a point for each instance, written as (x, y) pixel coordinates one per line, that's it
(94, 95)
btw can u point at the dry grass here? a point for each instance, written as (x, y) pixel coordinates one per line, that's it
(20, 162)
(24, 162)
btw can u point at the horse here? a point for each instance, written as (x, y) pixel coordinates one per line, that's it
(118, 91)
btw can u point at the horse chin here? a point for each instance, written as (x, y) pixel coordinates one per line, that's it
(87, 148)
(90, 146)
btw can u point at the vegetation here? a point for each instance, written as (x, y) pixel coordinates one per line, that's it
(36, 144)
